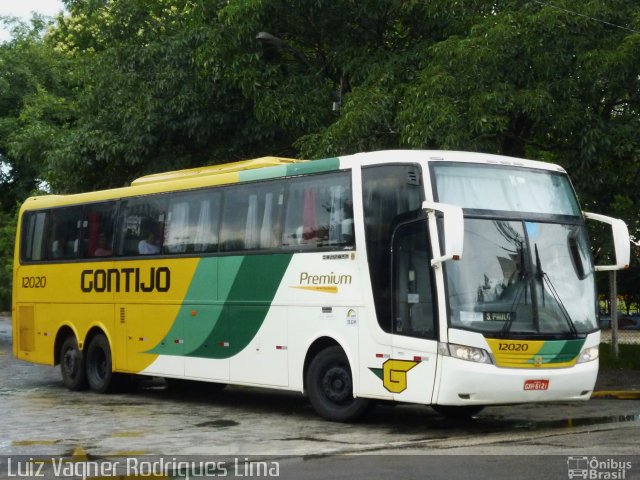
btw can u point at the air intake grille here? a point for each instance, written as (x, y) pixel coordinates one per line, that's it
(413, 177)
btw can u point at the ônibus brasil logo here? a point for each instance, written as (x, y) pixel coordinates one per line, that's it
(597, 468)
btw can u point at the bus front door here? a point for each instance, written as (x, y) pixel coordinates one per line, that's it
(412, 368)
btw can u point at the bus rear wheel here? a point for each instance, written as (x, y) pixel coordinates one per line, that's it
(72, 365)
(98, 362)
(330, 387)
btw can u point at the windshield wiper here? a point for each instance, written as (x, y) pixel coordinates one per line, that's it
(541, 276)
(525, 276)
(544, 279)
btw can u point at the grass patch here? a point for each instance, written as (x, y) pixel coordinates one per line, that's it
(629, 356)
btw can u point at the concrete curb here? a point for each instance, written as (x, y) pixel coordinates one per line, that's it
(617, 394)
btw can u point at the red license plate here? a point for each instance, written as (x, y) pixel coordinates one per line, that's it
(536, 385)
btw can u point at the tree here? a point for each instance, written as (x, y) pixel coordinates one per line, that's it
(538, 82)
(142, 97)
(335, 73)
(121, 88)
(27, 69)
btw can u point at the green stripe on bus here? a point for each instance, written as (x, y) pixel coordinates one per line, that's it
(559, 351)
(263, 173)
(202, 306)
(246, 307)
(304, 168)
(314, 166)
(225, 306)
(570, 350)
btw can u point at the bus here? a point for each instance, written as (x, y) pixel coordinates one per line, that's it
(451, 279)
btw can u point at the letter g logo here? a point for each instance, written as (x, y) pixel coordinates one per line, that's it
(395, 374)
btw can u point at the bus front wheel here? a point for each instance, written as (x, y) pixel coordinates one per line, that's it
(72, 365)
(98, 361)
(330, 387)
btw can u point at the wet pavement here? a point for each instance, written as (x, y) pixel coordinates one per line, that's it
(40, 417)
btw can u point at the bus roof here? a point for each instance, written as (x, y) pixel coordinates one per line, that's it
(224, 174)
(215, 169)
(275, 167)
(425, 156)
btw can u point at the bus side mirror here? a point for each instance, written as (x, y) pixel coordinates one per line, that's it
(453, 230)
(621, 241)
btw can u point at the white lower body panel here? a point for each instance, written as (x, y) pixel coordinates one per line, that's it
(468, 383)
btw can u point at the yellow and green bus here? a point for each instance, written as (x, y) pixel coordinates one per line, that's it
(450, 279)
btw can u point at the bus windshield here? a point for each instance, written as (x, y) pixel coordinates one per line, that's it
(523, 278)
(518, 276)
(501, 188)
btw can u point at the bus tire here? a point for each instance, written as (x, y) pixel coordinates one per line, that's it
(72, 365)
(330, 387)
(458, 411)
(99, 366)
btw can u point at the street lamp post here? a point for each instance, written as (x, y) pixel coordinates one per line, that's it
(271, 42)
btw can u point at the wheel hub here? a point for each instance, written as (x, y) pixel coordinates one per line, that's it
(70, 362)
(337, 384)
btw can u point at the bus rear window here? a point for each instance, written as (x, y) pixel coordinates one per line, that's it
(33, 236)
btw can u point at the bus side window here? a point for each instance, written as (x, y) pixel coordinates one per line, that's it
(251, 217)
(33, 243)
(64, 233)
(192, 222)
(142, 228)
(319, 212)
(98, 227)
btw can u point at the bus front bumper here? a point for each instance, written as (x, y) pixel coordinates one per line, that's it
(468, 383)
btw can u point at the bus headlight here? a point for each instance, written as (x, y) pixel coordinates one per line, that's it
(589, 354)
(463, 352)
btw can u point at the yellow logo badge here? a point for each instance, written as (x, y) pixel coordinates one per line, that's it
(394, 374)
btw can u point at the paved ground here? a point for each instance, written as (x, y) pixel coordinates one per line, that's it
(39, 416)
(619, 383)
(264, 433)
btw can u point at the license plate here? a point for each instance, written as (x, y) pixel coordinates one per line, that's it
(536, 385)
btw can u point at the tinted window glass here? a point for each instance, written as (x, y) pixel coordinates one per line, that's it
(319, 212)
(388, 192)
(142, 228)
(414, 312)
(500, 188)
(192, 222)
(98, 230)
(64, 228)
(251, 218)
(33, 234)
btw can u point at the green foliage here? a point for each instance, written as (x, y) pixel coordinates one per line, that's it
(119, 88)
(139, 93)
(357, 57)
(533, 82)
(27, 69)
(7, 239)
